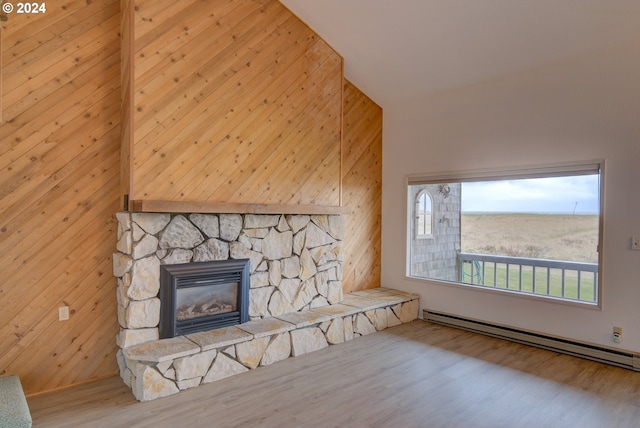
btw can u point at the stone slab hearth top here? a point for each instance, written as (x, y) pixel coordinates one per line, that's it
(388, 298)
(376, 298)
(306, 318)
(365, 303)
(162, 350)
(266, 327)
(181, 346)
(218, 338)
(338, 310)
(382, 291)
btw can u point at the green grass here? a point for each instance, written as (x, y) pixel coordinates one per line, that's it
(545, 284)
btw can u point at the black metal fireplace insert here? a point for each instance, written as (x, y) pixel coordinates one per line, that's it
(203, 296)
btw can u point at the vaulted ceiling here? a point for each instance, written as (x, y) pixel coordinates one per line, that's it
(404, 49)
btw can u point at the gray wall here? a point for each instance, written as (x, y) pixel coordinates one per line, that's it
(436, 256)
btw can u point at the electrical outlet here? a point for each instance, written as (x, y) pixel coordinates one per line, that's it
(63, 313)
(635, 242)
(617, 334)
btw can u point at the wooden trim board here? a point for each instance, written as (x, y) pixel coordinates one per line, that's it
(232, 208)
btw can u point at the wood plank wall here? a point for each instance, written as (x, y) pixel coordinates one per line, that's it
(233, 101)
(59, 182)
(362, 190)
(59, 189)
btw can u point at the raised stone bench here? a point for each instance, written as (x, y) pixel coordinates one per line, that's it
(163, 367)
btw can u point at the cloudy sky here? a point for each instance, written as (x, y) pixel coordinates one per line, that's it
(558, 195)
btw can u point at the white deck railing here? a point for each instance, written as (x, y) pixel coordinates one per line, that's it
(554, 278)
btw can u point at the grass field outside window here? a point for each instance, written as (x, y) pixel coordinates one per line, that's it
(521, 280)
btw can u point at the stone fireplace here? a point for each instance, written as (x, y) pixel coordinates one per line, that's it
(294, 261)
(296, 304)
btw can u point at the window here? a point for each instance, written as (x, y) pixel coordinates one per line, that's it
(534, 231)
(423, 215)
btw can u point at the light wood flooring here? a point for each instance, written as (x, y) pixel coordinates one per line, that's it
(414, 375)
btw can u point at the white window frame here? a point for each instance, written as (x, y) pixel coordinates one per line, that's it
(428, 197)
(550, 170)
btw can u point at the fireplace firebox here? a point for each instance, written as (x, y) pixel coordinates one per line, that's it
(202, 296)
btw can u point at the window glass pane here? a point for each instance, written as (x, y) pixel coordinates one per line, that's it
(423, 216)
(530, 235)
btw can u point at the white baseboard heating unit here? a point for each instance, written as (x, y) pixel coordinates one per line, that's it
(614, 357)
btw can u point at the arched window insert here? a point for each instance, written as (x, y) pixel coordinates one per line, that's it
(424, 215)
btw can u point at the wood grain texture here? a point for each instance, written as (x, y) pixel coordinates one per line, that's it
(231, 208)
(60, 153)
(413, 375)
(362, 190)
(59, 189)
(232, 101)
(126, 91)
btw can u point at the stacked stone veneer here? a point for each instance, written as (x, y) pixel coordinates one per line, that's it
(295, 261)
(296, 304)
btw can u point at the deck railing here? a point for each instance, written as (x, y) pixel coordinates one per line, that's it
(554, 278)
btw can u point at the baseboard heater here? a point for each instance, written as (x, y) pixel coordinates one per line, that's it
(613, 357)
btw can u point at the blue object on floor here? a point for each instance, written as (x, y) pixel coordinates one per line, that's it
(14, 411)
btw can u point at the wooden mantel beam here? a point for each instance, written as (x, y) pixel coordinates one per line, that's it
(155, 206)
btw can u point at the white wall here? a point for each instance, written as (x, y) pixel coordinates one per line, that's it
(583, 109)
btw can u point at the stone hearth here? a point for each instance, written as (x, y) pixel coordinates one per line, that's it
(296, 304)
(164, 367)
